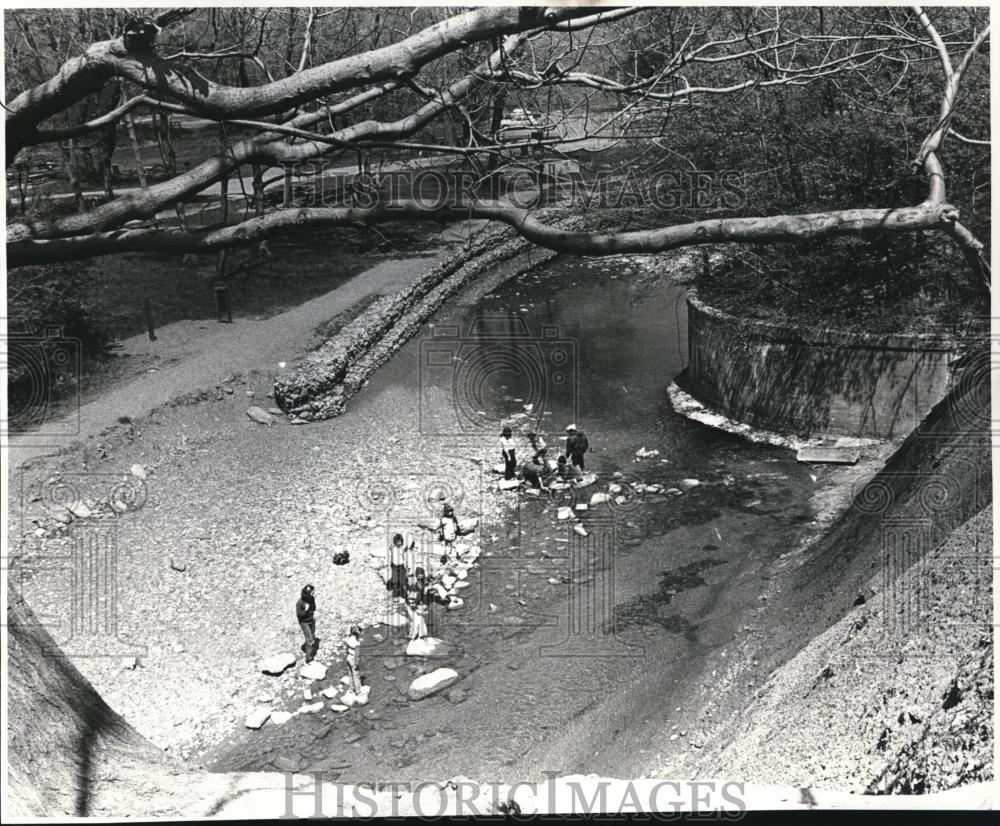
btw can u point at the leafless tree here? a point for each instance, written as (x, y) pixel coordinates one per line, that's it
(300, 85)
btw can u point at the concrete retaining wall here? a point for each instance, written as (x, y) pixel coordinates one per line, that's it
(814, 382)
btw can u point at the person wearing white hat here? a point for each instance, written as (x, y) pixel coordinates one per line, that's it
(576, 445)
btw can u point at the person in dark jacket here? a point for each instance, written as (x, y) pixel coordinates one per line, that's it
(576, 445)
(507, 451)
(305, 612)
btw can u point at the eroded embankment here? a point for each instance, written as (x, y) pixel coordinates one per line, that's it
(891, 609)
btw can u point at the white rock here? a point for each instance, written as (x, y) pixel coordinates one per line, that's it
(349, 699)
(277, 663)
(331, 692)
(260, 415)
(138, 471)
(307, 694)
(565, 513)
(614, 488)
(313, 671)
(279, 718)
(79, 510)
(340, 709)
(581, 507)
(582, 531)
(508, 484)
(310, 708)
(455, 604)
(554, 581)
(468, 525)
(427, 647)
(458, 586)
(599, 498)
(687, 484)
(427, 684)
(257, 718)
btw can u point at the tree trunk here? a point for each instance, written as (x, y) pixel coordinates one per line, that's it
(223, 257)
(136, 151)
(73, 177)
(165, 142)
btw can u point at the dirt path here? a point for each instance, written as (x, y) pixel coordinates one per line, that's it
(191, 355)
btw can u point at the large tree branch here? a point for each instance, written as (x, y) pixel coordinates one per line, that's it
(88, 73)
(856, 222)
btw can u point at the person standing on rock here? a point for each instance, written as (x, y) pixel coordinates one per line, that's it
(576, 445)
(417, 597)
(507, 451)
(397, 568)
(305, 612)
(353, 652)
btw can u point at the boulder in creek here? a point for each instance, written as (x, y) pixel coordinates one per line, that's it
(310, 708)
(79, 510)
(279, 718)
(313, 671)
(257, 718)
(427, 684)
(277, 664)
(427, 647)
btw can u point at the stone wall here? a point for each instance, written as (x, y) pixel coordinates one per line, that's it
(814, 382)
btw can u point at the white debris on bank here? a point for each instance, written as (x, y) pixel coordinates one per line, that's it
(688, 406)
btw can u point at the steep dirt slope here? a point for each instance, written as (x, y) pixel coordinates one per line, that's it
(891, 689)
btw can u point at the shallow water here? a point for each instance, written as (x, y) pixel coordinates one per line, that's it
(572, 650)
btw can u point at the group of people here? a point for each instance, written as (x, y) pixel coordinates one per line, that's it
(536, 471)
(415, 590)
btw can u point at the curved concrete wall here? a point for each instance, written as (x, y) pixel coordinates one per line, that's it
(814, 382)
